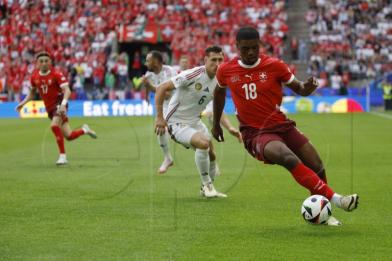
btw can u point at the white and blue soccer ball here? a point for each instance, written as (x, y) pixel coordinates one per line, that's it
(316, 209)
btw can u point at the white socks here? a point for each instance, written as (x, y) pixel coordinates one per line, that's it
(213, 168)
(202, 160)
(336, 200)
(164, 144)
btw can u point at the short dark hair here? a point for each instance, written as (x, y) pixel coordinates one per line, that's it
(157, 55)
(247, 33)
(43, 53)
(212, 49)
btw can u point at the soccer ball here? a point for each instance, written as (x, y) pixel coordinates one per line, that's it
(316, 209)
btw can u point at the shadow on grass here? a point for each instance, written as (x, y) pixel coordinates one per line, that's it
(306, 231)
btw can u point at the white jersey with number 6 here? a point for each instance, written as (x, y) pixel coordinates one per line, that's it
(194, 90)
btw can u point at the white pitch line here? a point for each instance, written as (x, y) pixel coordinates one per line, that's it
(382, 115)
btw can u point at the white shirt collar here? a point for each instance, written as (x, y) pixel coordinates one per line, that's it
(249, 66)
(44, 74)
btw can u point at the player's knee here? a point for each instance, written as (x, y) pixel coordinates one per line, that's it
(289, 160)
(204, 144)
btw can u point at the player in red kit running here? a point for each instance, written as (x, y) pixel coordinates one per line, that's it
(256, 83)
(54, 91)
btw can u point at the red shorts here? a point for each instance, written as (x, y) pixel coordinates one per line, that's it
(255, 140)
(53, 112)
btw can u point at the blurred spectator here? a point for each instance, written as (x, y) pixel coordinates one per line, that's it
(183, 64)
(294, 48)
(350, 38)
(110, 81)
(387, 90)
(303, 52)
(336, 84)
(82, 36)
(88, 82)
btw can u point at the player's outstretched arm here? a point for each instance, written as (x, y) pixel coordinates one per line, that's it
(304, 88)
(28, 98)
(160, 123)
(219, 104)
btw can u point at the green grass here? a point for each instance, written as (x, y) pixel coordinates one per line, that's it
(109, 204)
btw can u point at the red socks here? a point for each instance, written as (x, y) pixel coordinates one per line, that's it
(309, 179)
(59, 138)
(75, 134)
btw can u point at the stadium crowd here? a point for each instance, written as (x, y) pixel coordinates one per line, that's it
(81, 36)
(350, 40)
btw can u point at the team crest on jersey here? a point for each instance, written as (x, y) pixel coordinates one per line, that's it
(50, 82)
(235, 78)
(198, 86)
(263, 76)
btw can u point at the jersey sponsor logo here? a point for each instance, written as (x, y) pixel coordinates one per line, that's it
(248, 76)
(263, 76)
(235, 78)
(198, 86)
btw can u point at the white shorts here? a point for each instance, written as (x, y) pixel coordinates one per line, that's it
(182, 133)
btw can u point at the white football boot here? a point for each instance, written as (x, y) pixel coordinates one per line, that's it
(62, 160)
(166, 164)
(209, 191)
(332, 221)
(89, 131)
(350, 202)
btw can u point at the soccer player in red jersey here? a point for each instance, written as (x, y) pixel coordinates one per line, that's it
(256, 84)
(54, 91)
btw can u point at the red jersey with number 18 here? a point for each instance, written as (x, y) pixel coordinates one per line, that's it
(256, 90)
(49, 87)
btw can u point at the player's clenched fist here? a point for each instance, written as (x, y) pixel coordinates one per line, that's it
(217, 133)
(311, 84)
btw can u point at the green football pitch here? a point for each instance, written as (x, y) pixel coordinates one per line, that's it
(109, 203)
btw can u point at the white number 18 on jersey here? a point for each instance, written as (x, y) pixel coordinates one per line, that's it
(250, 91)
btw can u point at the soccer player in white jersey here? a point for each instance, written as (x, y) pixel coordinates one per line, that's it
(194, 89)
(157, 74)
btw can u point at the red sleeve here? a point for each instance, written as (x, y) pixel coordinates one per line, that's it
(284, 73)
(61, 79)
(220, 76)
